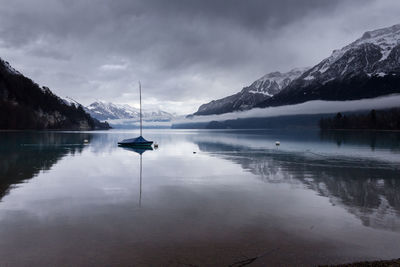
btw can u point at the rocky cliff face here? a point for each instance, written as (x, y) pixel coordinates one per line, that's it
(26, 105)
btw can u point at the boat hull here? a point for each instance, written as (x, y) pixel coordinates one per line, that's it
(136, 142)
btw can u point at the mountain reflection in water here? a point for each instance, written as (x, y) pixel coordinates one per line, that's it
(369, 189)
(24, 154)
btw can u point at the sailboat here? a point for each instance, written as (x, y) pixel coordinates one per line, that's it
(137, 141)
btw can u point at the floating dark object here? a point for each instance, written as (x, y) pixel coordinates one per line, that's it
(277, 143)
(137, 142)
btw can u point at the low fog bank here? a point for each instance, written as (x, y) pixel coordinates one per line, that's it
(134, 124)
(307, 108)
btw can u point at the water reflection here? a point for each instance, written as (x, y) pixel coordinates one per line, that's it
(140, 151)
(238, 195)
(369, 189)
(374, 139)
(24, 154)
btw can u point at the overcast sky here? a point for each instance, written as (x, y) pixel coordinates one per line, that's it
(185, 52)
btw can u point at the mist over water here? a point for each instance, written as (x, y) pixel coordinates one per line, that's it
(310, 107)
(318, 198)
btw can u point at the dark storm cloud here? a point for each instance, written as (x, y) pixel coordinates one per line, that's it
(184, 51)
(253, 14)
(177, 27)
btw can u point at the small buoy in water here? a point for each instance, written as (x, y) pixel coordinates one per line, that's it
(86, 141)
(155, 145)
(277, 143)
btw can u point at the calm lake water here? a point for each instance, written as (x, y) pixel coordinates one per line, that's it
(318, 198)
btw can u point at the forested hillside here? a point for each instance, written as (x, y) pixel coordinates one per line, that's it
(26, 105)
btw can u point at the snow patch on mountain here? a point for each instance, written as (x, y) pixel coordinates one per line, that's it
(260, 92)
(308, 78)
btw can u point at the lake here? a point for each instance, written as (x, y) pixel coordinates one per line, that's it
(203, 198)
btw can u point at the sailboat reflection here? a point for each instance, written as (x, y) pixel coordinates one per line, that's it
(140, 151)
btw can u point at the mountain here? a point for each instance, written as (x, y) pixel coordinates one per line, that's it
(259, 91)
(108, 111)
(26, 105)
(367, 68)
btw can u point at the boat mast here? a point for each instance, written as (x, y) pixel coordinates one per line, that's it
(140, 97)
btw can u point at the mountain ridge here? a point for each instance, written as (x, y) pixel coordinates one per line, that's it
(261, 89)
(366, 68)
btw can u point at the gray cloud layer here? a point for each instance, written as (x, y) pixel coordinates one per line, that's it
(185, 52)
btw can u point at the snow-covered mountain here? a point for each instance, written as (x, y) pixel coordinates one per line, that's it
(260, 90)
(376, 45)
(102, 110)
(368, 67)
(272, 83)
